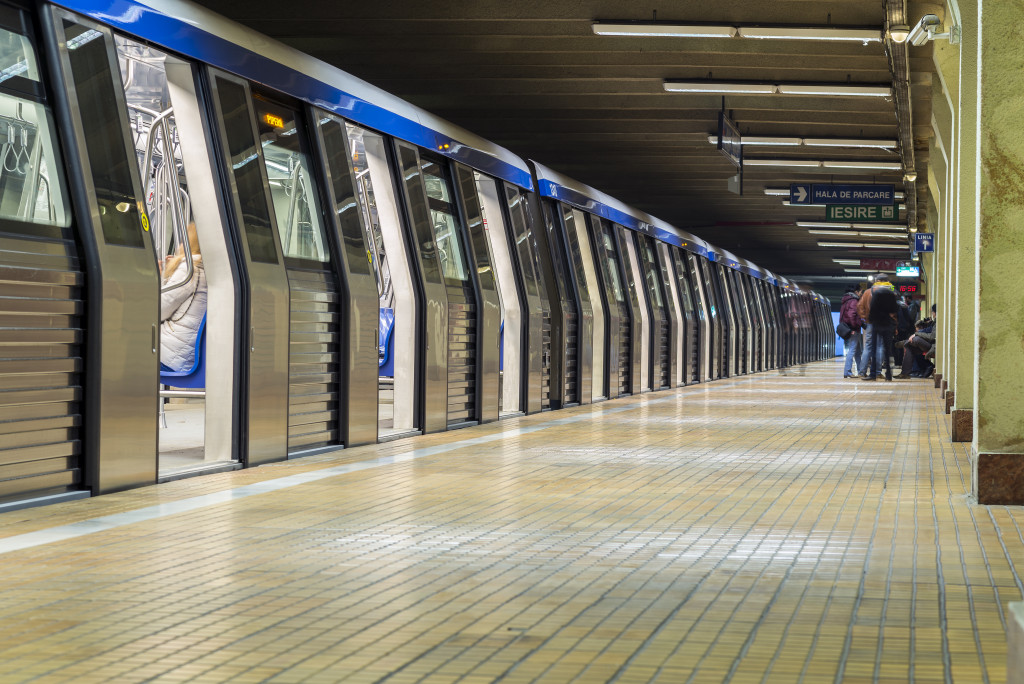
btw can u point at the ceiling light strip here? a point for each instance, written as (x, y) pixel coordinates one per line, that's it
(735, 87)
(664, 29)
(827, 164)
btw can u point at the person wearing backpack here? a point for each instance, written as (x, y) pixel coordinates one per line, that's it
(853, 340)
(881, 326)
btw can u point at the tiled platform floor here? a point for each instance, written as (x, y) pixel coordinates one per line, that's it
(767, 528)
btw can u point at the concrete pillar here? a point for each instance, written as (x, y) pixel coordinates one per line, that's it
(998, 448)
(944, 128)
(957, 69)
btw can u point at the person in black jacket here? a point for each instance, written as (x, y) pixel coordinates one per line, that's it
(904, 328)
(882, 317)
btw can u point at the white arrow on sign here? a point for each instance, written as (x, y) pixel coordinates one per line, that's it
(801, 193)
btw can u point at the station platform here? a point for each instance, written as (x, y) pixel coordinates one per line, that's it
(797, 527)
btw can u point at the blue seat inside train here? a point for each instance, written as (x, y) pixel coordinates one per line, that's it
(194, 377)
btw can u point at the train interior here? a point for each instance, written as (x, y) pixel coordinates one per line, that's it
(185, 269)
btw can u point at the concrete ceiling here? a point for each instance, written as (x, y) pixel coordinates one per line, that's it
(532, 76)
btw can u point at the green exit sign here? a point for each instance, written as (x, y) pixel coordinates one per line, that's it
(860, 213)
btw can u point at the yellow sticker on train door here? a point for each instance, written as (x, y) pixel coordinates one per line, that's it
(145, 223)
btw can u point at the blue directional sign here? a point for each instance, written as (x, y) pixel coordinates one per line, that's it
(800, 193)
(924, 242)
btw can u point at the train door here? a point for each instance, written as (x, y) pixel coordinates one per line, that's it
(691, 360)
(664, 332)
(742, 303)
(267, 314)
(535, 345)
(448, 287)
(705, 303)
(717, 310)
(729, 307)
(565, 323)
(399, 309)
(489, 304)
(510, 296)
(587, 348)
(42, 303)
(681, 325)
(590, 285)
(641, 315)
(758, 323)
(198, 284)
(124, 294)
(359, 312)
(315, 292)
(620, 326)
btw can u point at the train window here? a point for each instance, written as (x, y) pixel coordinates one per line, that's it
(521, 235)
(243, 159)
(448, 236)
(611, 268)
(357, 138)
(109, 162)
(333, 134)
(292, 186)
(652, 272)
(575, 224)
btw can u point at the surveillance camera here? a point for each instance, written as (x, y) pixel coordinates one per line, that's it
(924, 30)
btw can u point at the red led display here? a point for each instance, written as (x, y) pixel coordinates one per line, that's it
(906, 289)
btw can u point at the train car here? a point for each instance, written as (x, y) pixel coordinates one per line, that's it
(218, 252)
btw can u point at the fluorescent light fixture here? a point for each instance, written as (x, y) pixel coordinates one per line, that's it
(681, 30)
(827, 164)
(867, 270)
(821, 224)
(812, 163)
(777, 192)
(763, 140)
(859, 245)
(812, 142)
(910, 176)
(811, 33)
(662, 29)
(800, 206)
(880, 226)
(839, 90)
(849, 142)
(712, 87)
(737, 87)
(853, 233)
(848, 262)
(849, 164)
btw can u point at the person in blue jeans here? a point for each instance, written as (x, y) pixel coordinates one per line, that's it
(853, 344)
(881, 326)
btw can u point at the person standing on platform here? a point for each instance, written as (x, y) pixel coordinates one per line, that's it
(853, 344)
(881, 324)
(904, 327)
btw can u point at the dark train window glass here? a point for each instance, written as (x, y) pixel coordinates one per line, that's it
(243, 160)
(334, 136)
(575, 225)
(109, 162)
(684, 282)
(652, 272)
(420, 214)
(293, 189)
(521, 235)
(611, 266)
(477, 228)
(445, 221)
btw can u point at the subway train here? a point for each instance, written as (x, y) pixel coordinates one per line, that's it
(369, 270)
